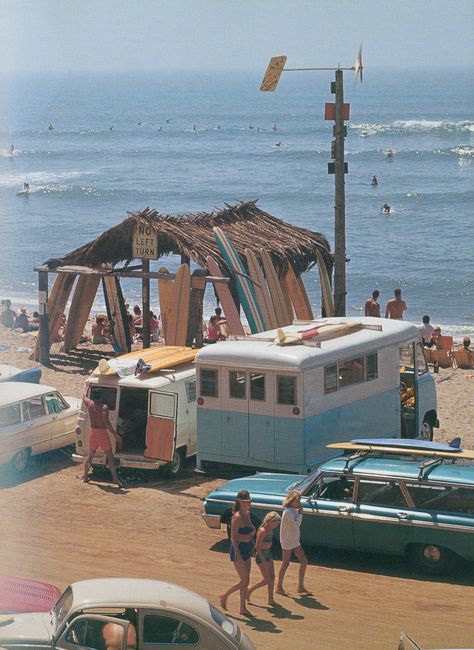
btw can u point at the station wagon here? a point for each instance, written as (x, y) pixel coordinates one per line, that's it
(382, 502)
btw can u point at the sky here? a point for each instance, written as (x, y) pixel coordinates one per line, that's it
(77, 35)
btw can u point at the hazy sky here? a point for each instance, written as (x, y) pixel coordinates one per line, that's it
(206, 34)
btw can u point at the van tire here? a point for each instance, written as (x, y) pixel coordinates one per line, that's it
(20, 460)
(433, 559)
(175, 467)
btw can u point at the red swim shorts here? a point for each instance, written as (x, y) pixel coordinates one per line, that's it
(99, 440)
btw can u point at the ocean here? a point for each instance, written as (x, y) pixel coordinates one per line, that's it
(184, 142)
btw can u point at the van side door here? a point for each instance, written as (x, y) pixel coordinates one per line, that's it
(160, 442)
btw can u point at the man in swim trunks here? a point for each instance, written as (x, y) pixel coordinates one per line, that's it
(372, 307)
(396, 306)
(99, 438)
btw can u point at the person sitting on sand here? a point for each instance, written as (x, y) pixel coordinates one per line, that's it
(98, 335)
(436, 341)
(466, 343)
(7, 315)
(396, 306)
(22, 321)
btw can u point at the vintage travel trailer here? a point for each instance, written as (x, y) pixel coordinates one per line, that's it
(278, 406)
(154, 413)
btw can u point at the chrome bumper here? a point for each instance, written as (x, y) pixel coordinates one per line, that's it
(212, 521)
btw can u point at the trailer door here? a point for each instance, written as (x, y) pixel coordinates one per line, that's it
(161, 426)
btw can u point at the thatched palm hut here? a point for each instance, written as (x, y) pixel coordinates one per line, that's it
(191, 237)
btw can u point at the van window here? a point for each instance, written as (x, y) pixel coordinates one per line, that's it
(452, 498)
(257, 386)
(33, 408)
(286, 389)
(330, 379)
(237, 384)
(191, 390)
(371, 366)
(10, 414)
(208, 386)
(162, 405)
(421, 365)
(406, 356)
(109, 395)
(351, 371)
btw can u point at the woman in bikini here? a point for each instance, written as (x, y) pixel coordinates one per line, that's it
(241, 549)
(263, 555)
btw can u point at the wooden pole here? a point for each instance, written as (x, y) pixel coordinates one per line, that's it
(44, 316)
(146, 303)
(340, 203)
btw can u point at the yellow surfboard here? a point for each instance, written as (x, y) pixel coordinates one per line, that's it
(158, 358)
(465, 454)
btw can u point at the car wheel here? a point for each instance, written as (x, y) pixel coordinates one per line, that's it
(433, 559)
(426, 431)
(176, 465)
(20, 460)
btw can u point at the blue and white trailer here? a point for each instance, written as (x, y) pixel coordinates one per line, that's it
(277, 407)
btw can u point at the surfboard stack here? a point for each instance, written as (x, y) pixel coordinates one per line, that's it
(267, 300)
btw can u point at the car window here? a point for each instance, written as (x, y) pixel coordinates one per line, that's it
(380, 493)
(55, 403)
(453, 498)
(166, 629)
(334, 486)
(33, 408)
(87, 633)
(10, 414)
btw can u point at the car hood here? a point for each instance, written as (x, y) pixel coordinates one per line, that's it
(25, 629)
(261, 483)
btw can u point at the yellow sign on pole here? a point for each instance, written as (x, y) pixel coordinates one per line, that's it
(273, 73)
(145, 242)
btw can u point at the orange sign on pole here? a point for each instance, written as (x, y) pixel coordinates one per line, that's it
(330, 111)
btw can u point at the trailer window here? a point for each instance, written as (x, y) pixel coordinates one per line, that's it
(330, 379)
(237, 384)
(257, 386)
(351, 372)
(371, 367)
(208, 386)
(286, 389)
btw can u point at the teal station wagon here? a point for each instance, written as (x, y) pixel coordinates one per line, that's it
(411, 501)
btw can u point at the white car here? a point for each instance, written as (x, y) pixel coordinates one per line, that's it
(127, 613)
(34, 419)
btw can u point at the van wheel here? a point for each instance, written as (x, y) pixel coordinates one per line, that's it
(176, 465)
(426, 432)
(20, 460)
(433, 559)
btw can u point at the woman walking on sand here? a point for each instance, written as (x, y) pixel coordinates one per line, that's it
(263, 555)
(290, 540)
(241, 549)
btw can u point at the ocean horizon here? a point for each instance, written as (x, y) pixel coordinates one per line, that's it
(187, 142)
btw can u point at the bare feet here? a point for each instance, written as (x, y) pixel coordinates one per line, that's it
(245, 612)
(272, 603)
(303, 590)
(281, 591)
(86, 478)
(223, 602)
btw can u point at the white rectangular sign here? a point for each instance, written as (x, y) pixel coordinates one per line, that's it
(145, 243)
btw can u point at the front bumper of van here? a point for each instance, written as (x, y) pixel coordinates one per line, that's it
(121, 462)
(212, 521)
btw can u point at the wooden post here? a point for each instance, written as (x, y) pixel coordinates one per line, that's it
(44, 316)
(146, 303)
(340, 203)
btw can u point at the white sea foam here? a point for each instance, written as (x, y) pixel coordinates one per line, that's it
(39, 179)
(413, 126)
(466, 150)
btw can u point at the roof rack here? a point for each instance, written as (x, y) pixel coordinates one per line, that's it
(427, 466)
(358, 456)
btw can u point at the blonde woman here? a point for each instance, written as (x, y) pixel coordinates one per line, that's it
(290, 540)
(241, 550)
(263, 555)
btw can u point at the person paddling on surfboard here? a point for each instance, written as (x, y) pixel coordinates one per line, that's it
(385, 209)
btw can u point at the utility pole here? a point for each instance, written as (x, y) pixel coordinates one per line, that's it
(339, 112)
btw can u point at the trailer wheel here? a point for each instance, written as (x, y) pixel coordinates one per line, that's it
(426, 432)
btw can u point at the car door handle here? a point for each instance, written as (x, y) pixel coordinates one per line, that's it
(344, 509)
(402, 515)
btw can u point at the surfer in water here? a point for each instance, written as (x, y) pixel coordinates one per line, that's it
(390, 153)
(385, 209)
(12, 149)
(278, 144)
(274, 127)
(374, 181)
(50, 127)
(26, 187)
